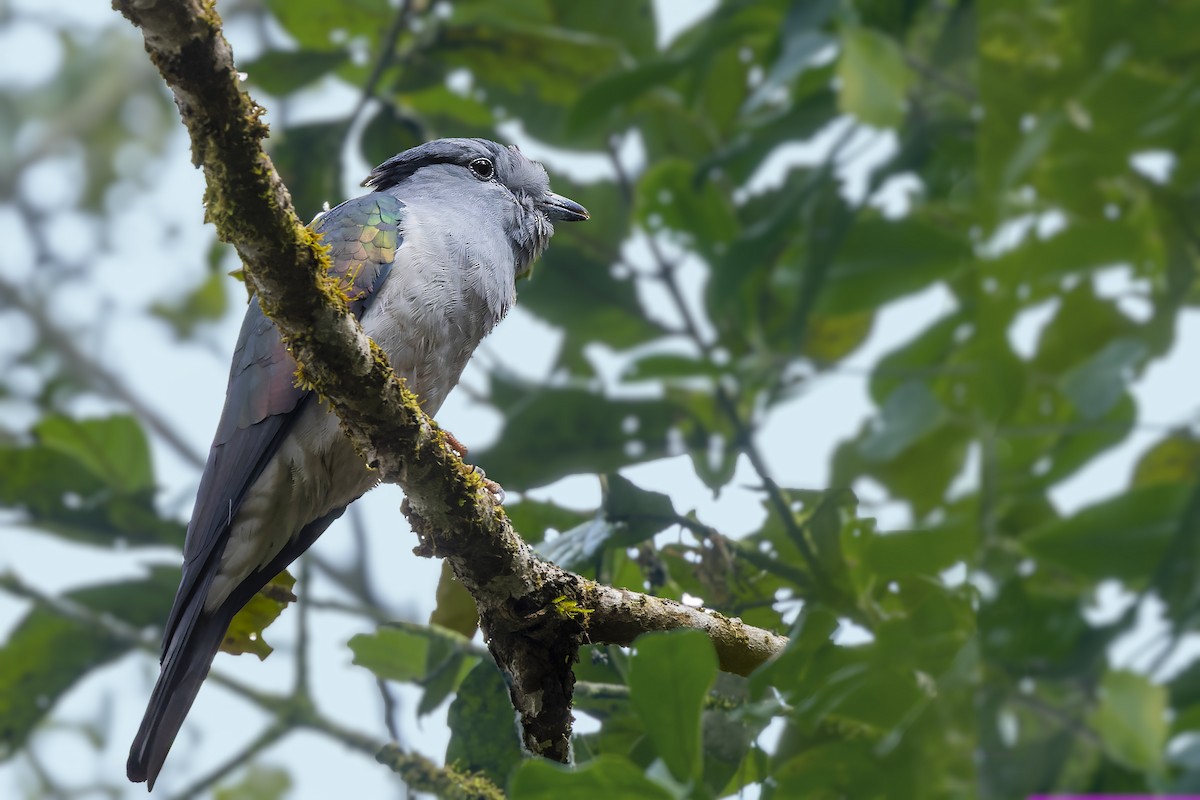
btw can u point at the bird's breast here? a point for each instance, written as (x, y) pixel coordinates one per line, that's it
(445, 293)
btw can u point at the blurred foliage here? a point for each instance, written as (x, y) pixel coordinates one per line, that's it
(1039, 152)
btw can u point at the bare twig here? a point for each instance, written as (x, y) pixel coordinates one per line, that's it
(386, 57)
(267, 738)
(303, 609)
(728, 405)
(287, 712)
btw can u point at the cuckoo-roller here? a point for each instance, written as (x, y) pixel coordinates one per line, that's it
(430, 256)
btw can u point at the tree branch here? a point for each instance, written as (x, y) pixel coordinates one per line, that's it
(446, 782)
(536, 615)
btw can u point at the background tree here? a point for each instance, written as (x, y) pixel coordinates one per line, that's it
(960, 623)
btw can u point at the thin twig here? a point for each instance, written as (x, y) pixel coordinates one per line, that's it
(1056, 715)
(270, 736)
(288, 712)
(327, 604)
(301, 688)
(744, 436)
(387, 55)
(961, 88)
(384, 59)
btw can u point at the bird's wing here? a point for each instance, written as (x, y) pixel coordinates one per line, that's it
(262, 399)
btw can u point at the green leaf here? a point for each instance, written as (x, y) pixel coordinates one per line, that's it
(113, 449)
(670, 197)
(594, 111)
(810, 633)
(1185, 687)
(1123, 537)
(47, 652)
(318, 26)
(605, 777)
(525, 64)
(282, 72)
(306, 159)
(629, 515)
(922, 552)
(258, 783)
(205, 303)
(1083, 325)
(245, 634)
(641, 512)
(446, 669)
(579, 546)
(1032, 629)
(729, 734)
(921, 354)
(455, 609)
(708, 435)
(931, 628)
(800, 40)
(909, 414)
(443, 112)
(1082, 245)
(875, 79)
(632, 23)
(1175, 579)
(533, 518)
(551, 433)
(832, 337)
(764, 132)
(1131, 720)
(1173, 459)
(1097, 384)
(920, 473)
(87, 480)
(983, 377)
(398, 651)
(483, 737)
(670, 675)
(881, 260)
(389, 133)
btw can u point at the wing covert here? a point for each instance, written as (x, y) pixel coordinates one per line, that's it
(262, 399)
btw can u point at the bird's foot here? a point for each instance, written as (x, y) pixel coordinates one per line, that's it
(454, 444)
(494, 489)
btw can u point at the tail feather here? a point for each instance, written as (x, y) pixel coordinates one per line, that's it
(184, 669)
(189, 653)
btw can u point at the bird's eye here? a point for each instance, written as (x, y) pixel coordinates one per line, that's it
(483, 169)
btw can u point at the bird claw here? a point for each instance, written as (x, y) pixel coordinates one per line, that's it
(495, 489)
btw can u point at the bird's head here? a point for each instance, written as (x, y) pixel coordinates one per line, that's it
(481, 176)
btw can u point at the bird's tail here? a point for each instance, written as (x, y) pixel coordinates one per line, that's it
(193, 645)
(184, 667)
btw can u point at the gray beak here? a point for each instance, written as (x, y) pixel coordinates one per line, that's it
(562, 209)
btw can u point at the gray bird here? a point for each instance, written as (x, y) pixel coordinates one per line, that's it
(431, 257)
